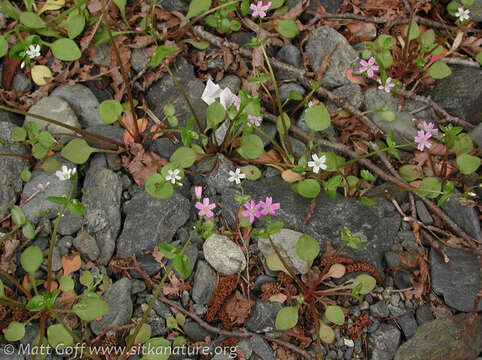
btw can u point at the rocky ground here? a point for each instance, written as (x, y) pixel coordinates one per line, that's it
(122, 221)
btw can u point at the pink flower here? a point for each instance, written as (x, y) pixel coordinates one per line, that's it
(388, 85)
(428, 128)
(198, 191)
(369, 66)
(138, 28)
(259, 9)
(254, 120)
(205, 208)
(252, 210)
(422, 140)
(268, 207)
(237, 102)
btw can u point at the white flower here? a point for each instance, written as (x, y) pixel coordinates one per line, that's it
(317, 163)
(236, 176)
(33, 51)
(211, 92)
(462, 14)
(65, 173)
(42, 187)
(311, 103)
(348, 342)
(226, 98)
(173, 176)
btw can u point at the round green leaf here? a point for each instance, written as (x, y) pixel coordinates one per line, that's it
(31, 259)
(75, 24)
(110, 111)
(252, 172)
(429, 187)
(181, 264)
(462, 144)
(143, 335)
(287, 318)
(468, 163)
(366, 282)
(200, 45)
(409, 173)
(414, 31)
(65, 50)
(3, 46)
(28, 230)
(307, 248)
(251, 147)
(15, 331)
(274, 263)
(45, 139)
(327, 335)
(478, 57)
(317, 118)
(51, 165)
(157, 186)
(19, 134)
(77, 151)
(184, 157)
(39, 151)
(32, 20)
(86, 279)
(197, 7)
(287, 28)
(18, 215)
(160, 53)
(160, 348)
(169, 251)
(335, 314)
(90, 309)
(309, 188)
(439, 70)
(215, 115)
(2, 289)
(26, 175)
(66, 283)
(59, 337)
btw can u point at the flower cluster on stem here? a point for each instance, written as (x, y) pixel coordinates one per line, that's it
(262, 208)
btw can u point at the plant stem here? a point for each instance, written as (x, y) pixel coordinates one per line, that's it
(377, 152)
(64, 14)
(9, 302)
(275, 144)
(15, 282)
(17, 155)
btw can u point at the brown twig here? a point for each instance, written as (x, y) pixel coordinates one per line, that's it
(15, 282)
(114, 329)
(460, 61)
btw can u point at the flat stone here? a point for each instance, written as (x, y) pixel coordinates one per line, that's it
(224, 255)
(408, 324)
(384, 342)
(204, 283)
(176, 5)
(219, 179)
(476, 135)
(22, 83)
(139, 60)
(262, 317)
(150, 221)
(108, 131)
(379, 310)
(351, 92)
(232, 82)
(324, 41)
(454, 338)
(464, 216)
(423, 213)
(70, 224)
(83, 101)
(148, 264)
(458, 280)
(163, 146)
(423, 314)
(261, 348)
(87, 245)
(195, 332)
(377, 226)
(285, 241)
(11, 168)
(286, 88)
(7, 116)
(288, 54)
(118, 296)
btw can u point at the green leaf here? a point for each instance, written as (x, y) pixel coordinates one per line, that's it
(387, 115)
(367, 201)
(260, 79)
(274, 263)
(61, 200)
(181, 319)
(197, 7)
(45, 139)
(32, 20)
(2, 290)
(31, 259)
(157, 187)
(121, 4)
(309, 188)
(75, 207)
(3, 46)
(307, 248)
(287, 28)
(75, 24)
(169, 110)
(18, 215)
(467, 3)
(51, 165)
(287, 318)
(252, 172)
(295, 95)
(335, 315)
(181, 264)
(26, 175)
(352, 240)
(110, 111)
(168, 251)
(32, 130)
(251, 147)
(184, 157)
(37, 303)
(19, 134)
(215, 115)
(200, 45)
(15, 331)
(367, 283)
(463, 144)
(160, 53)
(414, 31)
(59, 337)
(427, 38)
(429, 187)
(77, 151)
(327, 335)
(39, 151)
(468, 163)
(409, 173)
(143, 335)
(367, 175)
(89, 309)
(317, 118)
(28, 230)
(279, 124)
(87, 279)
(439, 70)
(65, 50)
(66, 283)
(160, 346)
(478, 57)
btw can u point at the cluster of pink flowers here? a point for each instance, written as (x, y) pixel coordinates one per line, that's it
(423, 135)
(262, 208)
(204, 207)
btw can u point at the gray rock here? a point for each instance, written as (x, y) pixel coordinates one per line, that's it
(476, 135)
(102, 200)
(288, 54)
(330, 6)
(6, 355)
(379, 310)
(10, 181)
(232, 82)
(286, 88)
(458, 280)
(377, 226)
(195, 332)
(108, 131)
(453, 338)
(148, 264)
(138, 286)
(351, 92)
(224, 255)
(54, 108)
(83, 101)
(7, 116)
(423, 314)
(56, 260)
(299, 147)
(423, 213)
(219, 181)
(384, 342)
(261, 348)
(163, 146)
(270, 129)
(465, 216)
(118, 296)
(262, 279)
(176, 5)
(475, 13)
(87, 245)
(245, 348)
(165, 92)
(22, 83)
(102, 55)
(70, 224)
(139, 60)
(324, 41)
(285, 241)
(262, 317)
(408, 324)
(150, 221)
(460, 93)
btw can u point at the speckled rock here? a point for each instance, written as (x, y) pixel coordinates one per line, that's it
(224, 255)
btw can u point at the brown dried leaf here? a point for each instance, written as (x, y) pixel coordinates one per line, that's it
(71, 264)
(281, 298)
(291, 176)
(9, 247)
(143, 164)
